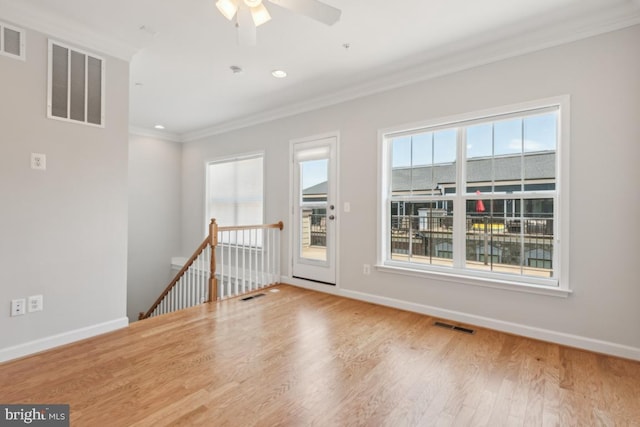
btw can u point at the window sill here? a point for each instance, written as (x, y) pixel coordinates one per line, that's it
(469, 279)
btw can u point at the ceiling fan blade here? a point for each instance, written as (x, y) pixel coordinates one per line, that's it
(246, 27)
(313, 9)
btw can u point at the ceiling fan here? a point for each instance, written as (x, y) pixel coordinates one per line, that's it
(252, 13)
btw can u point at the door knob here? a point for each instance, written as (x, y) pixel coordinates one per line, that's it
(332, 217)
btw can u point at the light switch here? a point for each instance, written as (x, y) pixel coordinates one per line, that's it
(35, 303)
(38, 161)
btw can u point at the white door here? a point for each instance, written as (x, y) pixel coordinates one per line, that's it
(314, 210)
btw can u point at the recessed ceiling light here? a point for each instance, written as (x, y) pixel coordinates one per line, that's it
(159, 127)
(279, 74)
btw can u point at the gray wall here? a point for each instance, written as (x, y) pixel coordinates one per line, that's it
(154, 218)
(63, 231)
(602, 75)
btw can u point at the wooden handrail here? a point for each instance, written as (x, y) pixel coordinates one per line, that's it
(279, 225)
(186, 266)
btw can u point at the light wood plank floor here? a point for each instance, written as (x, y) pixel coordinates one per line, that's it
(298, 358)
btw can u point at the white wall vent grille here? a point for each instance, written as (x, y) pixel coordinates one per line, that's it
(76, 85)
(12, 41)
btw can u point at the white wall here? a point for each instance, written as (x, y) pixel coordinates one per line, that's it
(154, 218)
(602, 76)
(63, 231)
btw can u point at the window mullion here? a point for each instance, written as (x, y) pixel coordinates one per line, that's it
(459, 207)
(86, 88)
(68, 116)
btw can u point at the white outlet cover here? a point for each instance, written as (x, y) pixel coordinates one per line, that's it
(18, 307)
(38, 161)
(35, 303)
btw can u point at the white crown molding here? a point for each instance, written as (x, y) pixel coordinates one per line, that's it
(494, 47)
(149, 133)
(28, 16)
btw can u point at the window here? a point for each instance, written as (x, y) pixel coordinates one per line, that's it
(476, 197)
(76, 81)
(235, 191)
(12, 41)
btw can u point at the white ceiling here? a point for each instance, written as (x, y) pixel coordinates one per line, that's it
(181, 50)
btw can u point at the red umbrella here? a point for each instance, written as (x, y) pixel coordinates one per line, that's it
(479, 204)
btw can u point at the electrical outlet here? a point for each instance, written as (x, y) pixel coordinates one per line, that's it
(366, 269)
(38, 161)
(35, 303)
(18, 307)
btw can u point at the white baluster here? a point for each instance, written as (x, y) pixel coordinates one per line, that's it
(269, 255)
(262, 267)
(207, 262)
(255, 259)
(199, 277)
(236, 275)
(190, 285)
(244, 262)
(188, 289)
(229, 269)
(274, 256)
(278, 238)
(250, 261)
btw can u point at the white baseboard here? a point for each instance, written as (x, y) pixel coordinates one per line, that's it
(570, 340)
(47, 343)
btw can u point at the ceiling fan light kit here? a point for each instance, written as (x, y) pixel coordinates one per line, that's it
(314, 9)
(259, 14)
(228, 8)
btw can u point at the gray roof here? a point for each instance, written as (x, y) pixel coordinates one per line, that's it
(507, 168)
(318, 189)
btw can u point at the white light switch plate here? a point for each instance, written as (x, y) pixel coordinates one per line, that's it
(35, 303)
(38, 161)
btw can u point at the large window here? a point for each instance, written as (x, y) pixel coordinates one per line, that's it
(235, 191)
(476, 197)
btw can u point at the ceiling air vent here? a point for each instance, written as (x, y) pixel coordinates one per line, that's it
(12, 41)
(76, 85)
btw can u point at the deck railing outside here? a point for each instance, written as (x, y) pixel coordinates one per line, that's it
(519, 245)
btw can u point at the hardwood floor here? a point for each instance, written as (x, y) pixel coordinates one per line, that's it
(297, 358)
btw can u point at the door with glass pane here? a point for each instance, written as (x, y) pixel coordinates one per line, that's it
(314, 210)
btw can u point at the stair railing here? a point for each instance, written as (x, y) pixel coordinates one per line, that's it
(249, 259)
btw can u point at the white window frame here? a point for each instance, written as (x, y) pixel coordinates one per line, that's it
(246, 156)
(50, 87)
(23, 42)
(560, 285)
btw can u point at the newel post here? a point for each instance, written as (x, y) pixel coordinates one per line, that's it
(213, 242)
